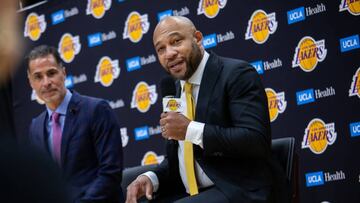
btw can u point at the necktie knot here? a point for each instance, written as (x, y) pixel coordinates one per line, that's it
(56, 117)
(188, 88)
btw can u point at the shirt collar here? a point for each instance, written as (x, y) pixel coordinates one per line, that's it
(61, 109)
(197, 76)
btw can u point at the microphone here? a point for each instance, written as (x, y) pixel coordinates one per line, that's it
(168, 92)
(167, 87)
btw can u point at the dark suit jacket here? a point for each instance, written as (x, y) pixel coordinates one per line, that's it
(91, 149)
(237, 136)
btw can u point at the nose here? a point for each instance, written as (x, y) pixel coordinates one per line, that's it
(46, 81)
(170, 53)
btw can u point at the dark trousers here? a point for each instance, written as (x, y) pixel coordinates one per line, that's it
(208, 195)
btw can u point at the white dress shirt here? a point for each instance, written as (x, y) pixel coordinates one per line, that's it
(194, 134)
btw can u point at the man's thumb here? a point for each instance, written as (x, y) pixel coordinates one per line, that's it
(148, 192)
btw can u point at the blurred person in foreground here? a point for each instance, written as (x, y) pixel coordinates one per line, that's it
(80, 133)
(219, 150)
(10, 50)
(26, 175)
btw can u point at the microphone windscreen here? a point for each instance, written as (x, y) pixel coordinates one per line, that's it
(167, 87)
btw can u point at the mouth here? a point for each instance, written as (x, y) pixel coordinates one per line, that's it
(48, 92)
(176, 65)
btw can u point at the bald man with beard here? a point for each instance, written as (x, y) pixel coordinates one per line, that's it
(230, 133)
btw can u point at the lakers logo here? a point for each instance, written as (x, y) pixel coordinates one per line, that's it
(69, 46)
(260, 26)
(355, 85)
(107, 71)
(318, 136)
(276, 103)
(210, 8)
(135, 26)
(97, 8)
(143, 96)
(353, 6)
(308, 53)
(151, 158)
(173, 105)
(34, 26)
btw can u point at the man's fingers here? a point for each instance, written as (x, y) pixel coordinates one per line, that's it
(133, 192)
(148, 190)
(162, 122)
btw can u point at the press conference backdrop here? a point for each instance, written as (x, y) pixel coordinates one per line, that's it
(307, 54)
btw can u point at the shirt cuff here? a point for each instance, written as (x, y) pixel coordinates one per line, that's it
(153, 178)
(194, 133)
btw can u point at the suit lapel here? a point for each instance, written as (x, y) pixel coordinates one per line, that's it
(208, 81)
(40, 131)
(70, 122)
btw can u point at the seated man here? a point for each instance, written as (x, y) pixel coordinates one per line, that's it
(220, 151)
(81, 133)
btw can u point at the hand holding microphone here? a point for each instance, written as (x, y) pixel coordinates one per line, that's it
(173, 123)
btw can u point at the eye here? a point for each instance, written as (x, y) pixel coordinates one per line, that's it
(160, 50)
(177, 41)
(52, 73)
(36, 77)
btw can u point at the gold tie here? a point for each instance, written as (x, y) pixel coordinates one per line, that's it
(188, 146)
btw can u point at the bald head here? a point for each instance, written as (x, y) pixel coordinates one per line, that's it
(174, 23)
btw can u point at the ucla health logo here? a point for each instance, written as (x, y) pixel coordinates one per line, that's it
(212, 40)
(318, 135)
(107, 71)
(141, 133)
(296, 15)
(210, 8)
(305, 96)
(353, 6)
(182, 12)
(261, 66)
(349, 43)
(355, 85)
(320, 178)
(151, 158)
(209, 41)
(276, 103)
(260, 26)
(72, 80)
(58, 17)
(258, 65)
(35, 25)
(314, 179)
(355, 129)
(69, 46)
(308, 53)
(98, 38)
(143, 97)
(61, 15)
(97, 8)
(135, 26)
(133, 64)
(136, 62)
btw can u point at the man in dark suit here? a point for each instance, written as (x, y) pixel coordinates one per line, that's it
(230, 134)
(81, 133)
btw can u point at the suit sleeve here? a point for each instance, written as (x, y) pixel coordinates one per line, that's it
(107, 141)
(247, 132)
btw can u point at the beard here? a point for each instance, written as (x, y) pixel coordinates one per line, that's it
(193, 61)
